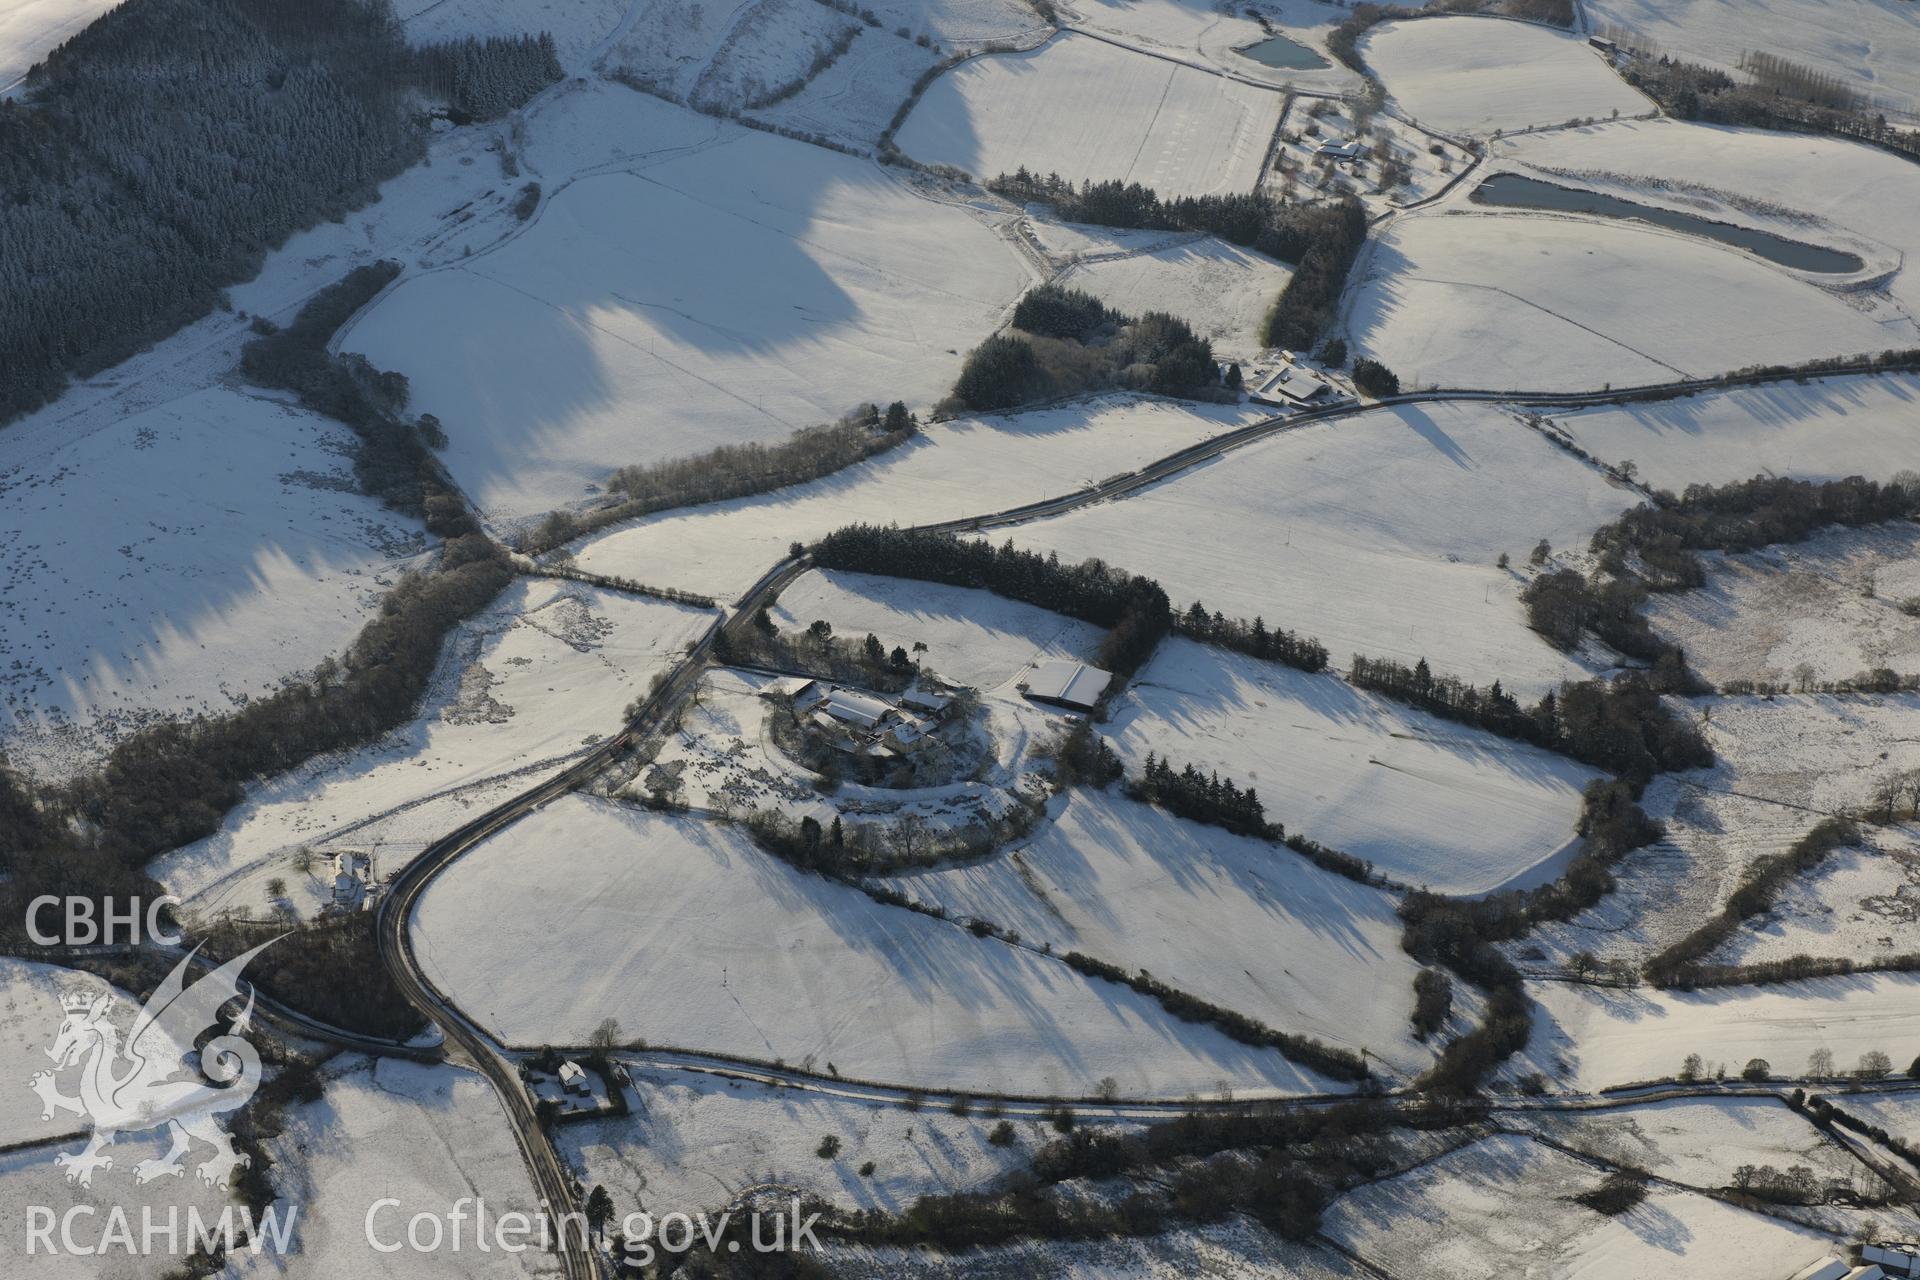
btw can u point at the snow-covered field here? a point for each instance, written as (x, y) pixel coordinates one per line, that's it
(740, 287)
(388, 1129)
(1700, 1142)
(950, 469)
(1862, 903)
(973, 638)
(1502, 1207)
(1824, 191)
(1482, 75)
(1426, 801)
(1245, 924)
(1828, 608)
(184, 559)
(534, 680)
(696, 1140)
(1873, 45)
(31, 29)
(1544, 302)
(854, 99)
(1222, 290)
(30, 1017)
(1822, 430)
(1370, 533)
(1083, 108)
(1822, 751)
(804, 65)
(692, 937)
(1591, 1037)
(29, 1180)
(1211, 33)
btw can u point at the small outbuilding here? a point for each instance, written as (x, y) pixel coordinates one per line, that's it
(1065, 683)
(1902, 1260)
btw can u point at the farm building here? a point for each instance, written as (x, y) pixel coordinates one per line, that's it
(1337, 151)
(1901, 1260)
(1289, 386)
(864, 723)
(1066, 683)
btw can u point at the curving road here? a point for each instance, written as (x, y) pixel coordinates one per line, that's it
(552, 1181)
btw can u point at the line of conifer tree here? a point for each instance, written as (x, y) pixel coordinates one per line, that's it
(1134, 609)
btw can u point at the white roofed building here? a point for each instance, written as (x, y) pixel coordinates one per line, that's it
(1066, 683)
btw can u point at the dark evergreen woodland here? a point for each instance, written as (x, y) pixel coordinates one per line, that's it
(485, 79)
(161, 152)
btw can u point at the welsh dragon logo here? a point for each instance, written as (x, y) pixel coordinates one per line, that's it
(156, 1079)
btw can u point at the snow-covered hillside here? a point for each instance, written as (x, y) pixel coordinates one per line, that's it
(1543, 302)
(183, 560)
(1370, 533)
(1243, 923)
(31, 29)
(529, 683)
(1084, 108)
(734, 289)
(1485, 75)
(692, 937)
(1426, 801)
(951, 469)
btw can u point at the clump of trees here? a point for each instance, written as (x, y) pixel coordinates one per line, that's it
(1065, 341)
(485, 79)
(1460, 934)
(160, 153)
(1619, 725)
(1200, 797)
(1134, 609)
(1653, 548)
(390, 460)
(1432, 1002)
(1778, 94)
(1082, 757)
(1656, 540)
(1251, 638)
(1374, 378)
(1319, 241)
(1303, 312)
(1214, 801)
(328, 969)
(1053, 311)
(1279, 1167)
(819, 652)
(1620, 1191)
(732, 471)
